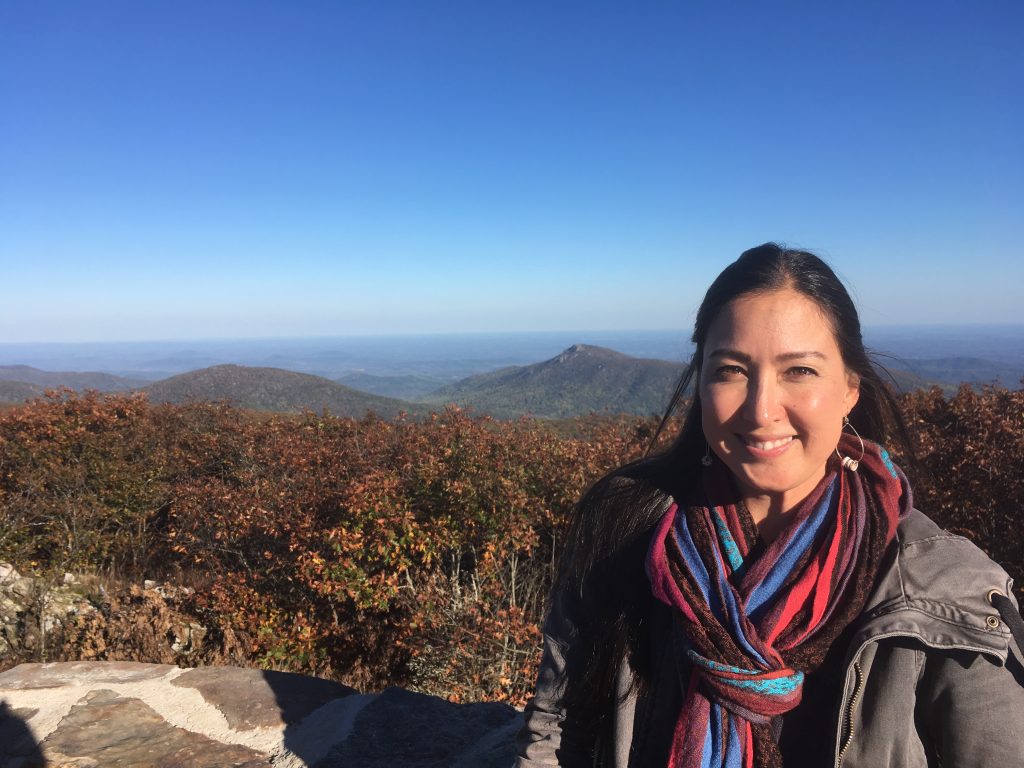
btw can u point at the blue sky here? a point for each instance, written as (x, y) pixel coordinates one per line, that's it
(182, 169)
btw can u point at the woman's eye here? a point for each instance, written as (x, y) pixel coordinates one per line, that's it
(728, 372)
(802, 370)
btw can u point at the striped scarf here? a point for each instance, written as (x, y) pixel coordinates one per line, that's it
(749, 630)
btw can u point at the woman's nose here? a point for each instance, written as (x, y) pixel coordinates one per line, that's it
(762, 405)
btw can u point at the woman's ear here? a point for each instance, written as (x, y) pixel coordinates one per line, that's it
(852, 390)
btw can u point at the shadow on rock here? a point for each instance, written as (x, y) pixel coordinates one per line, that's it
(329, 728)
(18, 748)
(417, 731)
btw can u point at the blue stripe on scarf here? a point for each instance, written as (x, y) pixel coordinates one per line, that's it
(733, 751)
(733, 618)
(801, 540)
(887, 460)
(732, 552)
(715, 728)
(705, 755)
(778, 686)
(684, 540)
(729, 613)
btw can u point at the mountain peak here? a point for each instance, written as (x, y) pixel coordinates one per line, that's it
(580, 380)
(577, 351)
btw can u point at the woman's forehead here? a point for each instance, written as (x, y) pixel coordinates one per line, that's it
(784, 320)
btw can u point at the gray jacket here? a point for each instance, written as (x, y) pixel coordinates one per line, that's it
(933, 677)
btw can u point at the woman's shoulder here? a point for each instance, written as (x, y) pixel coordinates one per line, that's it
(934, 556)
(937, 586)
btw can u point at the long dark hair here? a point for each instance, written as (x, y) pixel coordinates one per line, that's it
(602, 586)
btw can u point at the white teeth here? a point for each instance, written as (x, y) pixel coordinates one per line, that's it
(770, 444)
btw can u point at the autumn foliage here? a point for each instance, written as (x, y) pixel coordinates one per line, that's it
(415, 552)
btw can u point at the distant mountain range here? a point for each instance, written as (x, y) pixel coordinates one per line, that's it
(963, 370)
(406, 387)
(581, 380)
(104, 382)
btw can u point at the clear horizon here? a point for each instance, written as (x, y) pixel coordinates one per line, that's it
(867, 329)
(187, 171)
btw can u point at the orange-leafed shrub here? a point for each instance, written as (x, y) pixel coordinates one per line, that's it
(972, 447)
(410, 552)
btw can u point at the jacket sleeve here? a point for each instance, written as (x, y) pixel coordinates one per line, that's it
(973, 708)
(543, 739)
(615, 544)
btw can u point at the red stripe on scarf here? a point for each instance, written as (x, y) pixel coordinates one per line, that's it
(815, 584)
(823, 590)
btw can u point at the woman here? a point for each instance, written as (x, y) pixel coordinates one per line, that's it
(764, 593)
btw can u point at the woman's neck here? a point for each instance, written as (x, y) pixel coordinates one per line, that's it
(770, 514)
(770, 510)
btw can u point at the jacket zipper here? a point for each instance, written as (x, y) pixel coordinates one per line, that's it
(848, 713)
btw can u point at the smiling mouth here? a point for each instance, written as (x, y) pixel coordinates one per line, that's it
(768, 445)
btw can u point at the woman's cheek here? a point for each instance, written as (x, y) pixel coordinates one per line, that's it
(809, 402)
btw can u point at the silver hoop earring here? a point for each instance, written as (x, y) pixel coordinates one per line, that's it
(706, 460)
(848, 462)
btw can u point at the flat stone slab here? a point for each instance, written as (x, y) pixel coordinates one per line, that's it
(253, 698)
(80, 673)
(120, 732)
(98, 714)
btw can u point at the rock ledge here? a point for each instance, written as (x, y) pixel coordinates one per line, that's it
(130, 714)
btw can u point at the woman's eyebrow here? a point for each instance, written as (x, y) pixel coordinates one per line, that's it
(743, 357)
(733, 354)
(797, 355)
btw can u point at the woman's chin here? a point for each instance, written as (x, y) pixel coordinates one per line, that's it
(776, 481)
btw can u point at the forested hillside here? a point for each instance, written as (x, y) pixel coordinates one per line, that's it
(272, 389)
(583, 379)
(409, 552)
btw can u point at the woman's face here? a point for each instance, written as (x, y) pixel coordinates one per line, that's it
(774, 391)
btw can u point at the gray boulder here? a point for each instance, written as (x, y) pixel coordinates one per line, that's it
(132, 714)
